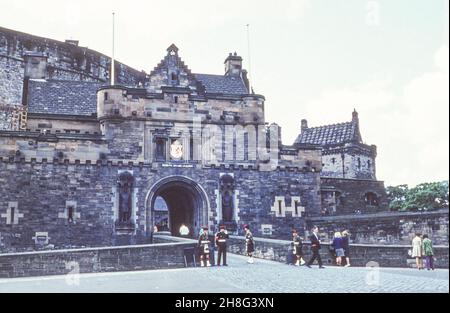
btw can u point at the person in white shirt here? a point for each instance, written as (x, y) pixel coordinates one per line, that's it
(184, 230)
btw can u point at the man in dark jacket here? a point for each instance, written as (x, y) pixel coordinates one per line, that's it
(315, 248)
(221, 242)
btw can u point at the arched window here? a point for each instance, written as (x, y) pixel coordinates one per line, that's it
(371, 198)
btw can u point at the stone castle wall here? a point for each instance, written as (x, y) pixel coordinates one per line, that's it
(65, 62)
(386, 228)
(11, 80)
(356, 166)
(350, 195)
(361, 255)
(167, 253)
(39, 194)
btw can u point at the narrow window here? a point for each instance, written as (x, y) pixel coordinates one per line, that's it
(359, 163)
(369, 164)
(106, 96)
(174, 77)
(175, 99)
(246, 147)
(160, 149)
(296, 207)
(279, 207)
(333, 160)
(191, 147)
(70, 211)
(13, 213)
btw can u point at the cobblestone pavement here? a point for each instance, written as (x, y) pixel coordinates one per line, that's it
(262, 276)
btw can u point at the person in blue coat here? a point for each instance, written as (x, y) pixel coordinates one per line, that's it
(338, 245)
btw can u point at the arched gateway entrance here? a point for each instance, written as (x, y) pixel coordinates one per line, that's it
(186, 201)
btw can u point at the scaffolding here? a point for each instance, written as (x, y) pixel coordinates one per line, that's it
(13, 117)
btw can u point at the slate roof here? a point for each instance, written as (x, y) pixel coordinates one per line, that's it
(221, 84)
(63, 97)
(331, 134)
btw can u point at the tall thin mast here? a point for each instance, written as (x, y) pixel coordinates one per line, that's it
(113, 60)
(249, 59)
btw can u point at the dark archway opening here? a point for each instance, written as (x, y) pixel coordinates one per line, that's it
(184, 206)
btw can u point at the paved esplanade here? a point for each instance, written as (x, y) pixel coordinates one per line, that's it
(263, 276)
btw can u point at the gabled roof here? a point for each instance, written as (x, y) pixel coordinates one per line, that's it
(222, 84)
(205, 83)
(164, 63)
(63, 97)
(331, 134)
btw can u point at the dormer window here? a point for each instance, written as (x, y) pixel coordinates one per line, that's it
(174, 77)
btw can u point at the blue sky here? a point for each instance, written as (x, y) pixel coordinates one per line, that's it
(313, 59)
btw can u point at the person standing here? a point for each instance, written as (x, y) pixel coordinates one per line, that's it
(428, 252)
(298, 248)
(184, 231)
(338, 245)
(221, 242)
(249, 244)
(203, 245)
(346, 240)
(315, 248)
(417, 250)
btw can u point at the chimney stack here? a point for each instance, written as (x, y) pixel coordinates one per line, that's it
(304, 125)
(233, 65)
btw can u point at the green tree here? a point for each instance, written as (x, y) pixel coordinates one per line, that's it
(396, 196)
(426, 196)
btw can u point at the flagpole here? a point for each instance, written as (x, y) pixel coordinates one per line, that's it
(113, 60)
(249, 59)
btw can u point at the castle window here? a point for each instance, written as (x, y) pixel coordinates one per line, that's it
(160, 151)
(280, 211)
(191, 147)
(296, 207)
(175, 99)
(13, 212)
(245, 146)
(106, 96)
(174, 77)
(359, 163)
(70, 213)
(333, 160)
(371, 198)
(369, 164)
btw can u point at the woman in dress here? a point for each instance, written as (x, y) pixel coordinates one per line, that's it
(417, 250)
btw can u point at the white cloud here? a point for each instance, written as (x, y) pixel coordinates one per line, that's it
(411, 129)
(296, 9)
